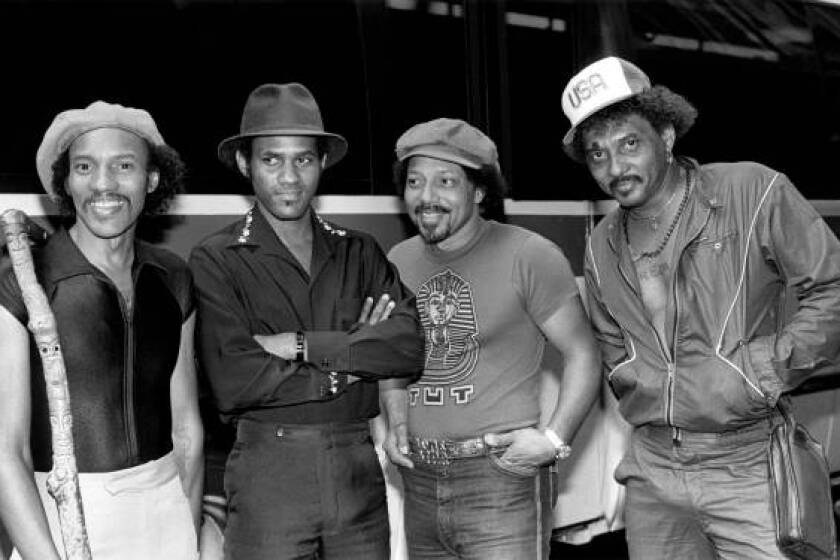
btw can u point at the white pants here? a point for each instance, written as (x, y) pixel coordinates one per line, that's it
(139, 513)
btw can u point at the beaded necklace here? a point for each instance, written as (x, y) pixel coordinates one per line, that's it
(653, 219)
(659, 248)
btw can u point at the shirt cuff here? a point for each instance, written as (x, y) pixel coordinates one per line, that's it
(329, 350)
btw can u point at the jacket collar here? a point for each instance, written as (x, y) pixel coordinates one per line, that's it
(701, 198)
(63, 259)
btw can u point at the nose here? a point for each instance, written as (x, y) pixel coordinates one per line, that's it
(428, 193)
(288, 174)
(103, 179)
(617, 166)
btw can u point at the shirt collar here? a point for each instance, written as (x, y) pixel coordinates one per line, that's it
(63, 258)
(255, 231)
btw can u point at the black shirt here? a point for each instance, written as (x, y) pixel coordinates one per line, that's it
(249, 283)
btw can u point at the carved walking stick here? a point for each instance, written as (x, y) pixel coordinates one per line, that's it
(63, 478)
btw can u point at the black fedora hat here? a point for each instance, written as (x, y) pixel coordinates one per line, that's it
(282, 110)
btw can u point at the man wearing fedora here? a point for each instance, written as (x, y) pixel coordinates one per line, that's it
(124, 314)
(293, 345)
(475, 457)
(688, 282)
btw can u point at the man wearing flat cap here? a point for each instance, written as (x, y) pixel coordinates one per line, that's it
(298, 320)
(475, 458)
(688, 282)
(124, 313)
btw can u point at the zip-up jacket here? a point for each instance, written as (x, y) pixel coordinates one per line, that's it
(753, 305)
(118, 365)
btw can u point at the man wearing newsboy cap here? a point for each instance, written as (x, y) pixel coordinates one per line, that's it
(298, 320)
(124, 314)
(475, 458)
(687, 282)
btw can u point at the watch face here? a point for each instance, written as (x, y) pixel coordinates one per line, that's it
(561, 449)
(564, 451)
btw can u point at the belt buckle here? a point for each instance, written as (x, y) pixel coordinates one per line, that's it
(433, 452)
(473, 447)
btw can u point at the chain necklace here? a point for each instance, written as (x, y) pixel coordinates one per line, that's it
(653, 220)
(659, 248)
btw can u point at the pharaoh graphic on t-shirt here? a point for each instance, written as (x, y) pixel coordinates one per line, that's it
(447, 312)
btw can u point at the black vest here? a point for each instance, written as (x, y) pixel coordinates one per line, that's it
(118, 367)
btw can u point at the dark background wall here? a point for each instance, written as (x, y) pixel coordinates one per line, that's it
(765, 75)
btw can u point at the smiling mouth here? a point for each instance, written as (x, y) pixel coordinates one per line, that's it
(429, 216)
(107, 205)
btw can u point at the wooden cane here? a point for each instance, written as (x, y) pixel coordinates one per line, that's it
(63, 478)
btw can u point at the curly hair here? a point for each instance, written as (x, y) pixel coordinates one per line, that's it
(488, 178)
(163, 159)
(658, 105)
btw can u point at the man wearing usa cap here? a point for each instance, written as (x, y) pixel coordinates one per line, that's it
(124, 311)
(293, 345)
(475, 457)
(686, 281)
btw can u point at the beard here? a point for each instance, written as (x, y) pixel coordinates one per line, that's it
(432, 232)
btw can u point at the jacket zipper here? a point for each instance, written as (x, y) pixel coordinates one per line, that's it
(676, 433)
(128, 380)
(672, 364)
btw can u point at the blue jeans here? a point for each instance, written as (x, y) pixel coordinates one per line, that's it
(305, 492)
(477, 509)
(706, 498)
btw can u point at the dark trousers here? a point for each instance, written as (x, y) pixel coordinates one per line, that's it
(305, 492)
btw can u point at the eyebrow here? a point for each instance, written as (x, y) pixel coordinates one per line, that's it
(596, 145)
(287, 153)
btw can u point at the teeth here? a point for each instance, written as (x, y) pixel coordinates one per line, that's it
(106, 203)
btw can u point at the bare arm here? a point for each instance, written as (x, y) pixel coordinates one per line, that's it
(393, 396)
(20, 505)
(187, 431)
(569, 331)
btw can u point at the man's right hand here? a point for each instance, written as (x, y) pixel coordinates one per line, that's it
(379, 313)
(396, 445)
(372, 315)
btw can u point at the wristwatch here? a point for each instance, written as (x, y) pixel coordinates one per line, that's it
(300, 346)
(562, 450)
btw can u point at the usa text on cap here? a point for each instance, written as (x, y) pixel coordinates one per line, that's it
(599, 85)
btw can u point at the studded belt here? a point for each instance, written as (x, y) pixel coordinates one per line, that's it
(440, 452)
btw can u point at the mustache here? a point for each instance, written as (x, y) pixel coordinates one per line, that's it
(430, 208)
(614, 183)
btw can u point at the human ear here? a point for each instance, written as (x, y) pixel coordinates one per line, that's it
(152, 180)
(242, 164)
(669, 137)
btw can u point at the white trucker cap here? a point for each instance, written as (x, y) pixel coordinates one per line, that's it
(599, 85)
